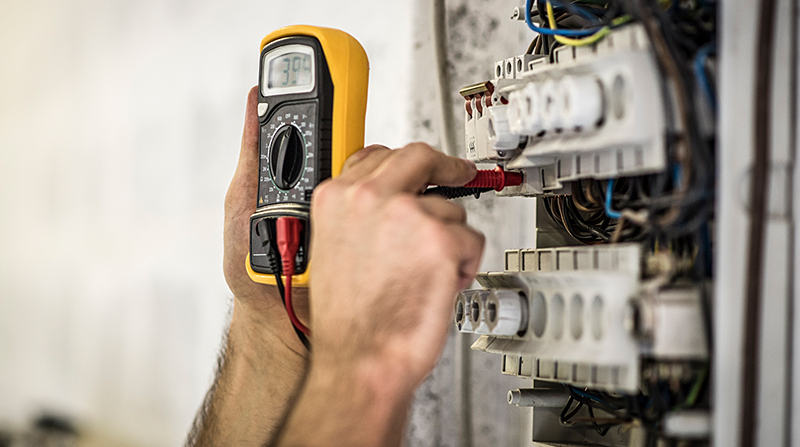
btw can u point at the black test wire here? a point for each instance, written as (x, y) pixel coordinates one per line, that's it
(269, 242)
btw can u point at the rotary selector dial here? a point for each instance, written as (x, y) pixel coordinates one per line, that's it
(290, 155)
(287, 156)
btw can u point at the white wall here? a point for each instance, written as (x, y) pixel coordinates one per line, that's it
(119, 131)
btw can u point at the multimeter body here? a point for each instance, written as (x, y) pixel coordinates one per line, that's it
(312, 95)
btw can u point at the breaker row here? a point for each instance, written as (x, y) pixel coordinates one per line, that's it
(590, 112)
(589, 323)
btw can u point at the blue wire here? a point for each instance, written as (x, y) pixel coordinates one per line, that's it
(591, 397)
(609, 192)
(575, 9)
(677, 175)
(558, 32)
(702, 76)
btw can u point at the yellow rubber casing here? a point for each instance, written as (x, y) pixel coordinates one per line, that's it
(349, 69)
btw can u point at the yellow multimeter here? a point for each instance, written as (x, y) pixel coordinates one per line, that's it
(312, 98)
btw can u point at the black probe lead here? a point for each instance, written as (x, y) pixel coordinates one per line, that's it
(266, 234)
(455, 192)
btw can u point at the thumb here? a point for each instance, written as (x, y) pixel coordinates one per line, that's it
(241, 197)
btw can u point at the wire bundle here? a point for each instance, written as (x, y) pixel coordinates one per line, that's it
(648, 407)
(589, 21)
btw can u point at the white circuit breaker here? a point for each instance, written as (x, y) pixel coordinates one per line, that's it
(594, 112)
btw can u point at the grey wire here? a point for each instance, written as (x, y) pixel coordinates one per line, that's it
(447, 132)
(463, 382)
(447, 141)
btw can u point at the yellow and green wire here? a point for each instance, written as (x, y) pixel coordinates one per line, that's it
(588, 40)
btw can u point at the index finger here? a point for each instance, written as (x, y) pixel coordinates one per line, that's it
(418, 165)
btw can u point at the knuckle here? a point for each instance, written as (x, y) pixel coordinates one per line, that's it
(475, 240)
(363, 154)
(419, 145)
(376, 147)
(420, 153)
(364, 193)
(326, 192)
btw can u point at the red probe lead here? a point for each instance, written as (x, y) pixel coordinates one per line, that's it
(288, 235)
(495, 178)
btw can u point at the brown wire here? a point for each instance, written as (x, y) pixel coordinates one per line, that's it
(759, 185)
(589, 193)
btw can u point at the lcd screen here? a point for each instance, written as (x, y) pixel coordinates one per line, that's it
(290, 70)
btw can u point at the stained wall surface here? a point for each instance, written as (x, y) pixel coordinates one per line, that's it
(478, 33)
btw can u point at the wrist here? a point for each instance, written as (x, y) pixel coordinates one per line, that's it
(256, 330)
(378, 373)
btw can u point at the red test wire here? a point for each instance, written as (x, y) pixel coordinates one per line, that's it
(288, 236)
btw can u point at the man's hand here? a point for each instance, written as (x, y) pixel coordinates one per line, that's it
(263, 362)
(258, 303)
(387, 263)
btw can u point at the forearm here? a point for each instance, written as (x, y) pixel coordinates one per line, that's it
(354, 406)
(256, 380)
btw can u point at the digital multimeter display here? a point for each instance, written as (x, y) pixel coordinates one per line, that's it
(289, 70)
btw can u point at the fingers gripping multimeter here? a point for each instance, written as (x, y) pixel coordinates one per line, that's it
(312, 98)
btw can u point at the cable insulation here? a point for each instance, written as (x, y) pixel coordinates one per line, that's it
(448, 139)
(553, 32)
(609, 196)
(290, 309)
(759, 183)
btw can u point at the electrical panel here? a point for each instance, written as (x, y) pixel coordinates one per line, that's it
(609, 118)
